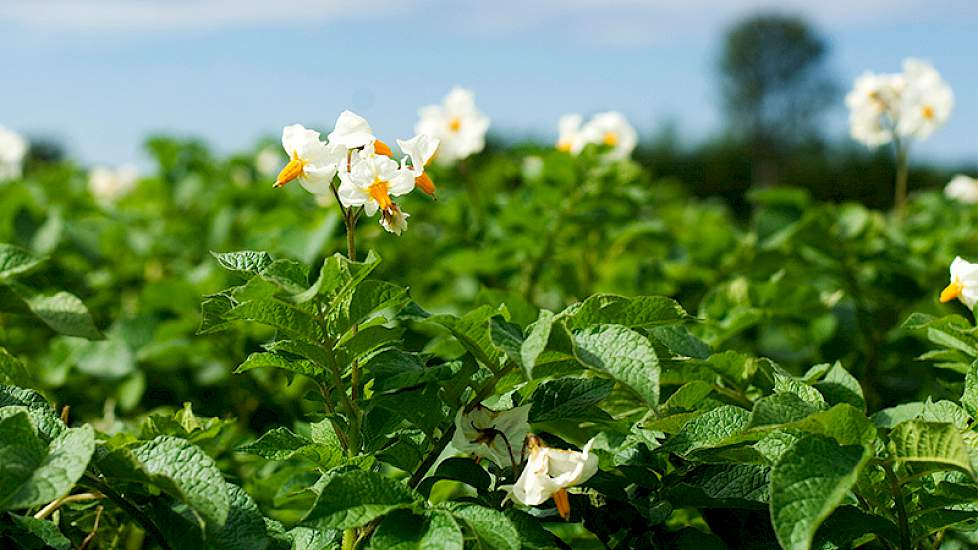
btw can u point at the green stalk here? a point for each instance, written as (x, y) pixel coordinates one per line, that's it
(900, 196)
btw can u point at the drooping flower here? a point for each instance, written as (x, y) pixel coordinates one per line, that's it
(108, 185)
(311, 161)
(458, 125)
(610, 129)
(495, 435)
(420, 149)
(926, 101)
(13, 148)
(371, 181)
(964, 283)
(962, 188)
(550, 472)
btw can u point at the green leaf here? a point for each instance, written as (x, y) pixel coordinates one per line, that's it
(281, 444)
(12, 371)
(838, 386)
(708, 430)
(969, 399)
(402, 530)
(244, 261)
(368, 339)
(638, 312)
(244, 528)
(952, 331)
(394, 369)
(352, 499)
(37, 408)
(780, 408)
(941, 411)
(65, 314)
(464, 470)
(284, 317)
(32, 473)
(289, 275)
(16, 261)
(212, 314)
(491, 528)
(723, 486)
(186, 472)
(808, 482)
(365, 299)
(260, 360)
(930, 445)
(338, 276)
(688, 397)
(568, 398)
(848, 523)
(474, 332)
(31, 533)
(622, 353)
(537, 336)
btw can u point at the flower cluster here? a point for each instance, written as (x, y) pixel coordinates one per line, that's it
(503, 437)
(609, 129)
(888, 107)
(457, 124)
(369, 175)
(962, 188)
(13, 148)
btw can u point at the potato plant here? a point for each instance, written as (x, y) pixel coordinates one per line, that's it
(560, 352)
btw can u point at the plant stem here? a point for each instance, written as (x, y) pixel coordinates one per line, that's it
(130, 509)
(900, 508)
(900, 197)
(349, 539)
(58, 503)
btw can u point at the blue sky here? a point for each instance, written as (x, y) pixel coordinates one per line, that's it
(100, 75)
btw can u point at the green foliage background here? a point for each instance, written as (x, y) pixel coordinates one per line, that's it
(781, 378)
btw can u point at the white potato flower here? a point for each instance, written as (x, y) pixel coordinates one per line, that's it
(495, 435)
(371, 181)
(13, 148)
(457, 124)
(964, 283)
(108, 185)
(311, 161)
(420, 149)
(911, 104)
(962, 188)
(569, 136)
(610, 129)
(874, 104)
(926, 101)
(549, 472)
(351, 131)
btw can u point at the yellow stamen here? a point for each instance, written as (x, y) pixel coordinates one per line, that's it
(563, 503)
(378, 190)
(381, 148)
(927, 112)
(292, 170)
(564, 146)
(425, 184)
(951, 291)
(455, 124)
(610, 138)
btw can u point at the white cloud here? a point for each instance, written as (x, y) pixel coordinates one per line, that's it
(168, 15)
